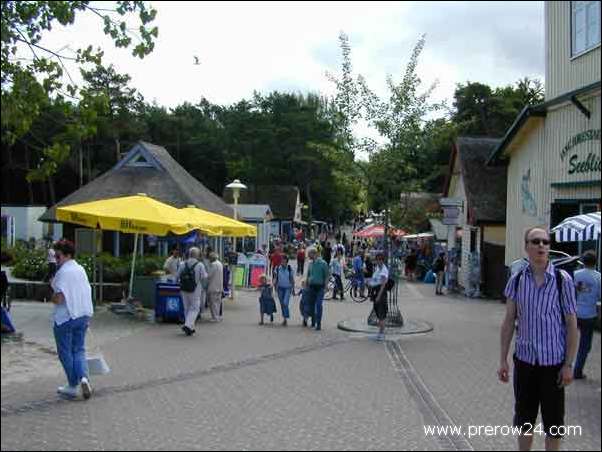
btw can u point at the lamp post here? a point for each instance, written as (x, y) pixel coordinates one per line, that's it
(236, 187)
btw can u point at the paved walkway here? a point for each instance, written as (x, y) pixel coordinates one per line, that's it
(237, 385)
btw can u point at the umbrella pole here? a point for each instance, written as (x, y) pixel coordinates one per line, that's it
(133, 263)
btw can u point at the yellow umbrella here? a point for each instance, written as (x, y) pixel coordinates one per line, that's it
(138, 214)
(218, 225)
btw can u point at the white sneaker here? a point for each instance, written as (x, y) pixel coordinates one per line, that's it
(67, 391)
(86, 388)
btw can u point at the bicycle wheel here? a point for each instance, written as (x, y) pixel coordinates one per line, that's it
(357, 296)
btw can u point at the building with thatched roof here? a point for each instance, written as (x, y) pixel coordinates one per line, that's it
(149, 169)
(479, 238)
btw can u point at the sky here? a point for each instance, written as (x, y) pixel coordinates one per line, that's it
(289, 46)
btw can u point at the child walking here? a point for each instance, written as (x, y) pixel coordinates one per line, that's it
(267, 305)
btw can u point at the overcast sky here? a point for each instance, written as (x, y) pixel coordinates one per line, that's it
(288, 46)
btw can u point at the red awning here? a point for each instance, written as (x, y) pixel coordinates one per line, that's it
(378, 230)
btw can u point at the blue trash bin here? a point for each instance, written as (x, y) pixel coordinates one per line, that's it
(169, 306)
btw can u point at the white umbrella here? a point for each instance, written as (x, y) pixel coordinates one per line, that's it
(579, 228)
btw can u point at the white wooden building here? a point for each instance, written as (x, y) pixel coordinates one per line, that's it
(553, 149)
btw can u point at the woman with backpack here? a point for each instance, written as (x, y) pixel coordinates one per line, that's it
(285, 285)
(191, 274)
(378, 294)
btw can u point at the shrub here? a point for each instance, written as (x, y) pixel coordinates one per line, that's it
(31, 265)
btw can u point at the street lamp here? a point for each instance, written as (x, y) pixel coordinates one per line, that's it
(236, 187)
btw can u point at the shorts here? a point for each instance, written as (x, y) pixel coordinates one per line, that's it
(535, 386)
(381, 310)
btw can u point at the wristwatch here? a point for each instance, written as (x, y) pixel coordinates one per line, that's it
(569, 364)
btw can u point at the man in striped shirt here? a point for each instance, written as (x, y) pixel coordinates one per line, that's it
(542, 302)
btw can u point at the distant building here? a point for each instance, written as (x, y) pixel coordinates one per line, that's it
(477, 242)
(284, 202)
(259, 215)
(21, 223)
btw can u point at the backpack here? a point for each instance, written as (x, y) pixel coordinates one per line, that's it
(188, 278)
(558, 276)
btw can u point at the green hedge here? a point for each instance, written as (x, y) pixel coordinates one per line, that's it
(32, 265)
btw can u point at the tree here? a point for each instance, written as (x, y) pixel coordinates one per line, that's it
(393, 169)
(483, 111)
(32, 74)
(122, 105)
(347, 101)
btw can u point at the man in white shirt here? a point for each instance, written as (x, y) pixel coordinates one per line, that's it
(172, 265)
(73, 310)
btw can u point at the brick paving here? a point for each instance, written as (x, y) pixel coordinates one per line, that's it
(237, 385)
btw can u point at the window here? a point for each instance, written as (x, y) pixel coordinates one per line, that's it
(139, 160)
(585, 26)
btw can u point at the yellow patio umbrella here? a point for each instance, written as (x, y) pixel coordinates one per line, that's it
(138, 214)
(219, 225)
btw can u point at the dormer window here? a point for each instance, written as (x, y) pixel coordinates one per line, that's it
(585, 26)
(139, 160)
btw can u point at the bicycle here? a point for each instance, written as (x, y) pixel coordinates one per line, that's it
(347, 288)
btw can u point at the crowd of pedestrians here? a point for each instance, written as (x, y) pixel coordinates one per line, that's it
(551, 313)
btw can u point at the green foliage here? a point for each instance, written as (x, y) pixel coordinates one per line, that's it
(117, 269)
(347, 102)
(397, 167)
(483, 111)
(30, 264)
(9, 253)
(31, 83)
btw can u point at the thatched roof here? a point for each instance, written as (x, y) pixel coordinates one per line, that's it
(485, 186)
(148, 169)
(282, 199)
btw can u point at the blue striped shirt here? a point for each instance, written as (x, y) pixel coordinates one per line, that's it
(541, 332)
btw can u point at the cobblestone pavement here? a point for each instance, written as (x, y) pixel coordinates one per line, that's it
(236, 385)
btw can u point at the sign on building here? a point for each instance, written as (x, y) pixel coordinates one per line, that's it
(451, 215)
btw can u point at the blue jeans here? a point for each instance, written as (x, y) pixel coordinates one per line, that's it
(284, 295)
(317, 299)
(586, 328)
(70, 344)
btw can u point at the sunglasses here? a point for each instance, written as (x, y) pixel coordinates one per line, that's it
(539, 242)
